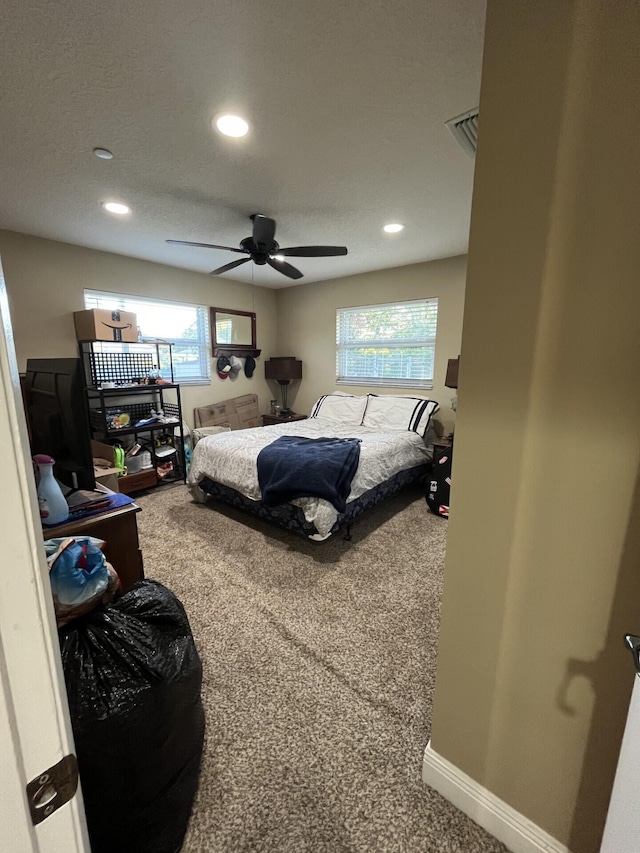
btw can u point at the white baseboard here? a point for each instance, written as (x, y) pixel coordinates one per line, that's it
(491, 813)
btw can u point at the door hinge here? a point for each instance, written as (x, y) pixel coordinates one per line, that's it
(52, 788)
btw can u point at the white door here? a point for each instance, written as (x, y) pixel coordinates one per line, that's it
(622, 829)
(35, 731)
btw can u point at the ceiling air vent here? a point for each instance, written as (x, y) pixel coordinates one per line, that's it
(465, 130)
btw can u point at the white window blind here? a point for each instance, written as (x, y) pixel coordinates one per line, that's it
(389, 345)
(185, 326)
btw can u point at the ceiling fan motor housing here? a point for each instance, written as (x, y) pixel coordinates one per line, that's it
(259, 251)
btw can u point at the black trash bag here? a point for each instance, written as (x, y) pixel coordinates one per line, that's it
(133, 678)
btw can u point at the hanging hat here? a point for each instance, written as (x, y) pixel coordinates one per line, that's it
(236, 365)
(223, 366)
(249, 366)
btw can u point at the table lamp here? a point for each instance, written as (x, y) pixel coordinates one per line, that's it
(283, 369)
(451, 379)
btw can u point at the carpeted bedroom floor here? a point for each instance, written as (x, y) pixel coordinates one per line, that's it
(319, 666)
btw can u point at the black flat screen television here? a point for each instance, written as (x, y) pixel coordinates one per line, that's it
(56, 409)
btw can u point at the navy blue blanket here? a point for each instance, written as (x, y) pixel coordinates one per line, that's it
(296, 467)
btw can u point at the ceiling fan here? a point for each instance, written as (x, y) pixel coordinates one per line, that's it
(262, 248)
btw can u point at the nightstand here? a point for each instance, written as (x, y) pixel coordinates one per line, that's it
(271, 420)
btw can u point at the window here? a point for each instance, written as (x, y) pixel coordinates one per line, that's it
(185, 326)
(391, 345)
(223, 331)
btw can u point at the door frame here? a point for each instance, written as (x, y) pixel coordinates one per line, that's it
(35, 726)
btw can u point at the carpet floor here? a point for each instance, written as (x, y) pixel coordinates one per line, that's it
(319, 666)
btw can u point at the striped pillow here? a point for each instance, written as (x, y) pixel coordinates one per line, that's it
(342, 408)
(400, 413)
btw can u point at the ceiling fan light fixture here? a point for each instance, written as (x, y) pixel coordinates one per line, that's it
(278, 257)
(231, 125)
(116, 207)
(393, 228)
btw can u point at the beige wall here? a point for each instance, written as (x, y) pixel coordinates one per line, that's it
(307, 324)
(45, 282)
(543, 561)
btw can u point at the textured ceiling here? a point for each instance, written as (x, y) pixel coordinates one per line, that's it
(347, 103)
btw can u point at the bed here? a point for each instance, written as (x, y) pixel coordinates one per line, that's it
(389, 432)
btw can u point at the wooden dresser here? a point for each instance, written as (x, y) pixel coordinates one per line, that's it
(119, 529)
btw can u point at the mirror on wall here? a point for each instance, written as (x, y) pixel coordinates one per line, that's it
(233, 332)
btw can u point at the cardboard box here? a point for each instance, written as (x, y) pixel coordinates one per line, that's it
(107, 476)
(110, 477)
(237, 413)
(101, 325)
(248, 411)
(217, 414)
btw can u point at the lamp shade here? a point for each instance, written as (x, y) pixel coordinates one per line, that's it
(451, 379)
(283, 368)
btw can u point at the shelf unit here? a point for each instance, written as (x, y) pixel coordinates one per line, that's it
(113, 373)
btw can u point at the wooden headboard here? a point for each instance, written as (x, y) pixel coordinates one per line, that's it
(237, 413)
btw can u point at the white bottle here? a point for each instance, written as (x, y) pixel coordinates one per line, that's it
(53, 505)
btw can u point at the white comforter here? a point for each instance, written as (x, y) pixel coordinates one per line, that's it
(230, 458)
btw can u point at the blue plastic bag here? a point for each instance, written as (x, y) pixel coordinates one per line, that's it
(80, 576)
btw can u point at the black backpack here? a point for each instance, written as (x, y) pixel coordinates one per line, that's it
(439, 483)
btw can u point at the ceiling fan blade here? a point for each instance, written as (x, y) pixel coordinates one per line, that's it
(205, 246)
(264, 229)
(230, 266)
(313, 251)
(284, 268)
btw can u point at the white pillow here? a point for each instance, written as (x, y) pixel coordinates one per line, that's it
(203, 432)
(342, 408)
(401, 413)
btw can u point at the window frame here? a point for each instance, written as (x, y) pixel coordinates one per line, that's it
(427, 342)
(202, 317)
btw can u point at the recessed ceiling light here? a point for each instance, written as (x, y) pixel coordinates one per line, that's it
(232, 125)
(103, 153)
(393, 228)
(116, 207)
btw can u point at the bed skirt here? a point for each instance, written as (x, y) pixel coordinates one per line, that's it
(290, 517)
